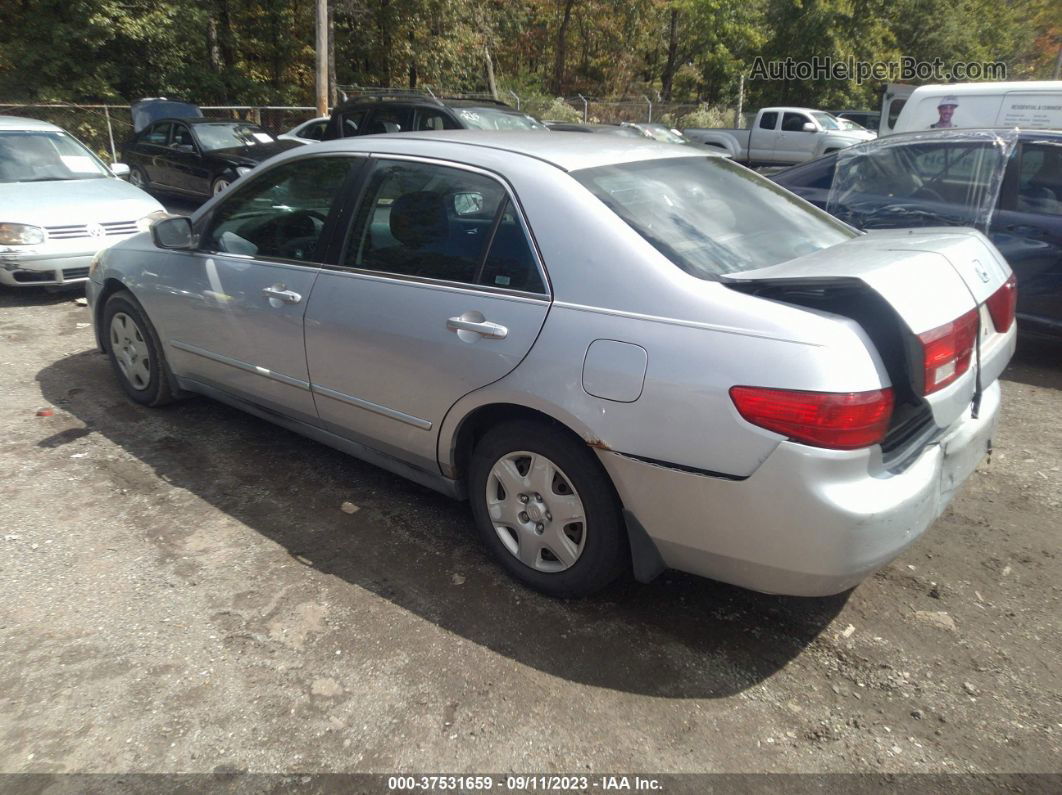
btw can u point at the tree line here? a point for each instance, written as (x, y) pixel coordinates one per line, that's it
(262, 51)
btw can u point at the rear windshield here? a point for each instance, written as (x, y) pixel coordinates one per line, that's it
(712, 217)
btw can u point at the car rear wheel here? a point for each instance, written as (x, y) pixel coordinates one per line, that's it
(220, 185)
(138, 178)
(135, 352)
(547, 510)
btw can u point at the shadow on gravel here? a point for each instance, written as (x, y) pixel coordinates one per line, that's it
(1037, 362)
(680, 637)
(39, 296)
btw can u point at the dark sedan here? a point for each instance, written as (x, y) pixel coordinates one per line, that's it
(1006, 183)
(196, 156)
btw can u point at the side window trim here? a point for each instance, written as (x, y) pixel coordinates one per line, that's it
(511, 201)
(205, 225)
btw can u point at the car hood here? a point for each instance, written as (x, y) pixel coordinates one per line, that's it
(80, 201)
(254, 154)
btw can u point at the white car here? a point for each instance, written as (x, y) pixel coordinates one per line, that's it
(59, 205)
(309, 132)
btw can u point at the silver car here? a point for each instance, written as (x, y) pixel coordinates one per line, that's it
(59, 205)
(626, 355)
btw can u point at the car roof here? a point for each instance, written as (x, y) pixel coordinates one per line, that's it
(960, 89)
(20, 123)
(566, 152)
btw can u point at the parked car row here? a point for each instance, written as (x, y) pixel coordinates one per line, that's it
(727, 341)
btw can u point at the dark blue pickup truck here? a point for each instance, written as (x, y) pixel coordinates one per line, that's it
(1007, 183)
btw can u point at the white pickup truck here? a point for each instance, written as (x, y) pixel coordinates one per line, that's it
(781, 137)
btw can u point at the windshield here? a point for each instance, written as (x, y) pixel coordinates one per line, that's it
(848, 124)
(227, 135)
(711, 217)
(826, 121)
(31, 156)
(494, 119)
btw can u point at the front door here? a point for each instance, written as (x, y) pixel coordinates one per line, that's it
(244, 294)
(438, 294)
(1027, 229)
(189, 173)
(795, 145)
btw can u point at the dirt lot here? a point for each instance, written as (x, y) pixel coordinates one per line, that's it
(180, 591)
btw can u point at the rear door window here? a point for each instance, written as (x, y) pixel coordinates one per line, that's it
(389, 120)
(768, 121)
(437, 222)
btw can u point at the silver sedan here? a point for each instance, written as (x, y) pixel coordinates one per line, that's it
(626, 355)
(59, 205)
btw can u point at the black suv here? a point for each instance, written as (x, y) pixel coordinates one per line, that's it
(374, 114)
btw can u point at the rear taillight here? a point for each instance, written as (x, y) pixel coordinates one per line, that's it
(1001, 304)
(947, 350)
(838, 420)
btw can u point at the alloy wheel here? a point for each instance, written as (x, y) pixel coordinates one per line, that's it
(536, 512)
(220, 186)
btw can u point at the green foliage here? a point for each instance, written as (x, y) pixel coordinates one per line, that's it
(685, 51)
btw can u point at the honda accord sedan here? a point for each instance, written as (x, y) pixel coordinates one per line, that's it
(627, 356)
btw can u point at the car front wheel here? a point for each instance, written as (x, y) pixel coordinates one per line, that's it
(221, 184)
(547, 510)
(138, 178)
(135, 352)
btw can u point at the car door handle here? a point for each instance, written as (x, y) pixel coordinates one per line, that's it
(484, 328)
(280, 293)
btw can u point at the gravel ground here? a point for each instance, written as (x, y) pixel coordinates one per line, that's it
(180, 590)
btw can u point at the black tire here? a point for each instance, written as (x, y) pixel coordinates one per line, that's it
(138, 178)
(155, 389)
(605, 554)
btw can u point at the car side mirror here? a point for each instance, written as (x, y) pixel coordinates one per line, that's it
(189, 148)
(173, 233)
(120, 170)
(809, 127)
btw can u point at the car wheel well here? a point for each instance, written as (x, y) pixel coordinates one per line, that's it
(477, 423)
(110, 287)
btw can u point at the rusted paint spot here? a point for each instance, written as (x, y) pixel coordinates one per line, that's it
(597, 444)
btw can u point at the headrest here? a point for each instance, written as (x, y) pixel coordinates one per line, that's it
(419, 219)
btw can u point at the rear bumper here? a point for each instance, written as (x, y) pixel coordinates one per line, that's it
(44, 270)
(807, 522)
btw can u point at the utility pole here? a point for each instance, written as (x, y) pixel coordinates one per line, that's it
(322, 57)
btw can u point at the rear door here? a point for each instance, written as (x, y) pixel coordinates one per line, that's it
(189, 174)
(438, 293)
(154, 148)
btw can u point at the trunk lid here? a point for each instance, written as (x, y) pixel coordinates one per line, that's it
(927, 278)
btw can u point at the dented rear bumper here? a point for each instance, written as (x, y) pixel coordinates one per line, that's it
(808, 521)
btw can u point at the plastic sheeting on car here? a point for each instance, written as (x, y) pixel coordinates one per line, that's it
(922, 179)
